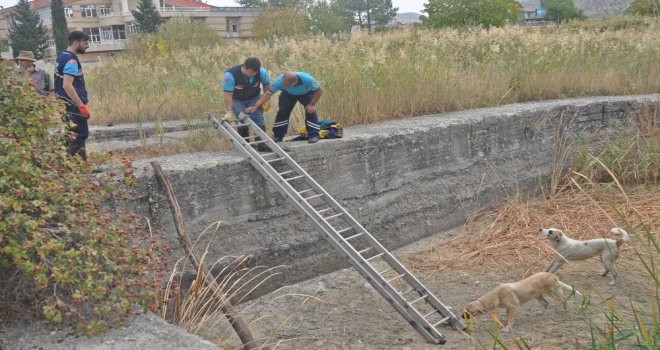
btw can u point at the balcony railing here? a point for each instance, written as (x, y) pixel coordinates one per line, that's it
(104, 42)
(184, 9)
(108, 15)
(209, 9)
(96, 44)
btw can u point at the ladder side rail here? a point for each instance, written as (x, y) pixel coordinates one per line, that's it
(348, 218)
(359, 262)
(356, 260)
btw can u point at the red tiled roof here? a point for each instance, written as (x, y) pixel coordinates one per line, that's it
(37, 4)
(186, 3)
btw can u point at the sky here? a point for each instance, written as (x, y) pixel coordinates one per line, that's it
(403, 5)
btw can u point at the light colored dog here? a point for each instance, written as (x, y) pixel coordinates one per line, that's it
(510, 296)
(572, 249)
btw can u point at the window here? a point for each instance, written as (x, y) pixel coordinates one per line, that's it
(119, 31)
(106, 33)
(88, 11)
(94, 35)
(113, 32)
(133, 28)
(68, 11)
(105, 10)
(232, 24)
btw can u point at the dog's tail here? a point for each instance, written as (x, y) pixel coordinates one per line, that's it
(568, 288)
(620, 231)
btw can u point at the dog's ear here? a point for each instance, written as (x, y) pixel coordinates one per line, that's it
(474, 308)
(554, 234)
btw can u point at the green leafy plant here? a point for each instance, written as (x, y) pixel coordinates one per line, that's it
(65, 242)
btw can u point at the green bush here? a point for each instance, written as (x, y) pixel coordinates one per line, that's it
(60, 244)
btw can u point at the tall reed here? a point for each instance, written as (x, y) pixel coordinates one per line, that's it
(396, 74)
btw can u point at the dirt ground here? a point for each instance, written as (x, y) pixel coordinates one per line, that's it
(342, 311)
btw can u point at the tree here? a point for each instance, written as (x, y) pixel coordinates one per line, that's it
(325, 19)
(147, 17)
(26, 31)
(561, 10)
(60, 29)
(458, 13)
(366, 12)
(644, 8)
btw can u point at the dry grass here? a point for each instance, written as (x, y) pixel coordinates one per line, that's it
(396, 74)
(510, 240)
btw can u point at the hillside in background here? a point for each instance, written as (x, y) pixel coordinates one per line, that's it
(407, 17)
(591, 8)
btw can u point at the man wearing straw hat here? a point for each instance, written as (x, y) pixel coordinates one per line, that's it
(70, 87)
(38, 78)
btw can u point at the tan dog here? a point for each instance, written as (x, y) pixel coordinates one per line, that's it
(510, 296)
(572, 249)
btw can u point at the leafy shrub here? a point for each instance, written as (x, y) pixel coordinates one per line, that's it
(60, 244)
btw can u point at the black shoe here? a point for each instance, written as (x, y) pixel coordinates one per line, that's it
(278, 139)
(262, 147)
(313, 139)
(244, 131)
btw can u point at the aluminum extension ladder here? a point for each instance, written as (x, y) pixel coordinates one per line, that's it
(375, 263)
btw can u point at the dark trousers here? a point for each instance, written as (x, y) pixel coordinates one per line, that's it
(77, 145)
(286, 104)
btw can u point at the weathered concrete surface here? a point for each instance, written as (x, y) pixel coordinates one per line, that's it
(403, 180)
(137, 132)
(144, 332)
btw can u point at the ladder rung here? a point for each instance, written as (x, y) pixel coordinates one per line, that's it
(375, 256)
(396, 278)
(441, 321)
(372, 253)
(385, 271)
(314, 196)
(295, 178)
(430, 313)
(403, 294)
(334, 216)
(420, 298)
(365, 250)
(353, 236)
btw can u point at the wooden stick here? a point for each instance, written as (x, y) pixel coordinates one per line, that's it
(235, 320)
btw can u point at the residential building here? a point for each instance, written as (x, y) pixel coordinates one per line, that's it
(110, 22)
(534, 17)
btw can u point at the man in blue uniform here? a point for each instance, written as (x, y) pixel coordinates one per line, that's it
(70, 87)
(242, 88)
(296, 87)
